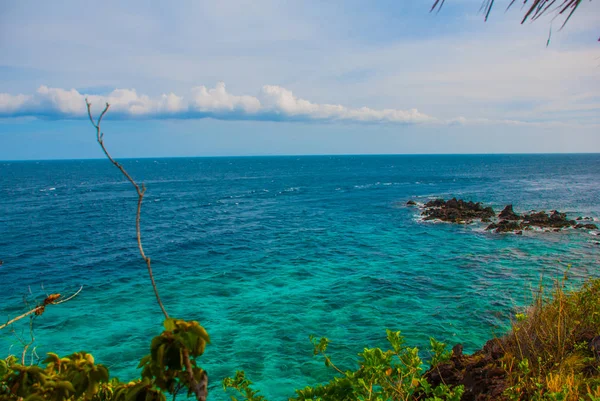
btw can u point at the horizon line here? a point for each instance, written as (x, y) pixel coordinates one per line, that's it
(306, 155)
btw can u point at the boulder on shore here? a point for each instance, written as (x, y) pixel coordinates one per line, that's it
(481, 373)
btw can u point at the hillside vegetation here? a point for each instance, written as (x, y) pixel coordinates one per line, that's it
(552, 352)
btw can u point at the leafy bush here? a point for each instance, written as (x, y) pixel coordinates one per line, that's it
(77, 377)
(392, 374)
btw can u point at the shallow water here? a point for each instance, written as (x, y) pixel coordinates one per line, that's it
(265, 251)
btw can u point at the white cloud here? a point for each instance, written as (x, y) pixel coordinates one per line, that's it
(217, 99)
(274, 102)
(283, 101)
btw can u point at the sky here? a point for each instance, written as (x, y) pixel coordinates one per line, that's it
(230, 78)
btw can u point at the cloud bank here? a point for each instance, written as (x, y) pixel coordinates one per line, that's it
(273, 103)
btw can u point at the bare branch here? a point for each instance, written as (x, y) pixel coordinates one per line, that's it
(52, 299)
(26, 346)
(58, 302)
(140, 192)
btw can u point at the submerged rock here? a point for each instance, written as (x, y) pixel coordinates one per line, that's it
(588, 226)
(411, 203)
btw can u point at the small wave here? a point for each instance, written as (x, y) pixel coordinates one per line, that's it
(288, 190)
(376, 184)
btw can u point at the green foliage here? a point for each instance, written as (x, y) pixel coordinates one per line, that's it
(242, 386)
(73, 377)
(170, 368)
(548, 353)
(172, 356)
(390, 374)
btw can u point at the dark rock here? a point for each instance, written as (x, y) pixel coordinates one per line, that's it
(456, 211)
(457, 351)
(594, 345)
(505, 226)
(494, 348)
(579, 218)
(461, 212)
(492, 226)
(411, 203)
(543, 220)
(508, 214)
(435, 203)
(536, 218)
(481, 373)
(452, 204)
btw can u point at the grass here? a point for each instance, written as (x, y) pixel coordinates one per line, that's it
(553, 349)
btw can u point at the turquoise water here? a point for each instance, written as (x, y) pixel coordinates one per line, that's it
(265, 251)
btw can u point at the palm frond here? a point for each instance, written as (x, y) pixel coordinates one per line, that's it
(535, 8)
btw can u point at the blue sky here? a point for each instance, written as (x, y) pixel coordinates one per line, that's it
(197, 78)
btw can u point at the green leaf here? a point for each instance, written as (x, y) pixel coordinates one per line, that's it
(144, 361)
(169, 324)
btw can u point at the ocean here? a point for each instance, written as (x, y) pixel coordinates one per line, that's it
(265, 251)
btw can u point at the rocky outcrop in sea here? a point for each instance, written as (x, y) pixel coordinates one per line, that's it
(507, 221)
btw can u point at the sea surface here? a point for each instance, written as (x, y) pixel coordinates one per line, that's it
(265, 251)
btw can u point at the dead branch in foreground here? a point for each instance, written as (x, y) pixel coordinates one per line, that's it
(52, 299)
(199, 388)
(140, 193)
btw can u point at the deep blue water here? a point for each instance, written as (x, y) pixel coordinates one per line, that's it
(265, 251)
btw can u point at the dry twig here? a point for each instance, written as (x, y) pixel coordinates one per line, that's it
(52, 299)
(140, 193)
(198, 388)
